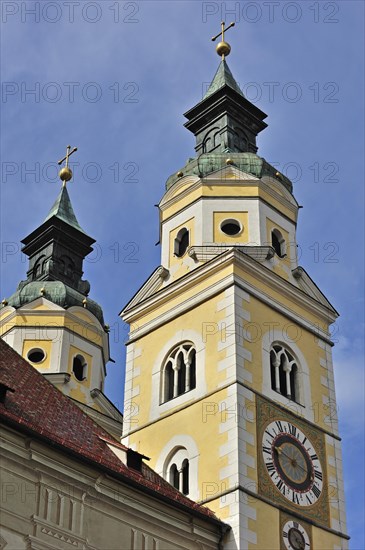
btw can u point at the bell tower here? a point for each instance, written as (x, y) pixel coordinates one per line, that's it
(51, 321)
(229, 377)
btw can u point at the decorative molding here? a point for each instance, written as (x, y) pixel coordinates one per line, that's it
(149, 287)
(59, 536)
(220, 179)
(57, 378)
(309, 287)
(207, 252)
(172, 192)
(254, 268)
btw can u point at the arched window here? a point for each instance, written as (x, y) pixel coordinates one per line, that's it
(174, 476)
(177, 470)
(79, 366)
(278, 243)
(211, 140)
(179, 372)
(66, 267)
(284, 372)
(181, 242)
(185, 477)
(38, 268)
(169, 381)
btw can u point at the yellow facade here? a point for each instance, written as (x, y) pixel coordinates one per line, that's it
(61, 335)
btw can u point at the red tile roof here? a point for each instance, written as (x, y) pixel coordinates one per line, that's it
(38, 407)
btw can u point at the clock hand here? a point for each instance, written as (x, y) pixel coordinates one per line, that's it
(299, 541)
(281, 452)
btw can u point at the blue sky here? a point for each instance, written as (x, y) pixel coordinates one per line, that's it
(114, 79)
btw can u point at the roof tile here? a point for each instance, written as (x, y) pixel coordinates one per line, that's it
(41, 408)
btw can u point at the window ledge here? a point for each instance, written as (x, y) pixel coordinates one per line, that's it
(178, 400)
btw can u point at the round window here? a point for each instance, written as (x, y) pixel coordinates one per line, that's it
(231, 227)
(36, 355)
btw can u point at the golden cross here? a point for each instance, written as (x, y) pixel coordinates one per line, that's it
(223, 31)
(68, 154)
(223, 48)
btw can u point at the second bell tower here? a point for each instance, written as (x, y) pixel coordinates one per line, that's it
(52, 322)
(229, 380)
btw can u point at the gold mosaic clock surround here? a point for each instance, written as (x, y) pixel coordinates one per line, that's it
(268, 412)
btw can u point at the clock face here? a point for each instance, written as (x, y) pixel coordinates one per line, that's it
(292, 463)
(295, 537)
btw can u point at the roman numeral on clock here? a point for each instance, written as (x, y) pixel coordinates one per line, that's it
(266, 450)
(292, 430)
(318, 475)
(279, 426)
(316, 491)
(269, 434)
(295, 498)
(280, 485)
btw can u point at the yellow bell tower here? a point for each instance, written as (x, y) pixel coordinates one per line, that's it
(51, 321)
(229, 378)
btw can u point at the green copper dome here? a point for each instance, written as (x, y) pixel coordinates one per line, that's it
(212, 162)
(56, 292)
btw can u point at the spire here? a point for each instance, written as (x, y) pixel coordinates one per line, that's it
(223, 77)
(62, 209)
(225, 121)
(57, 248)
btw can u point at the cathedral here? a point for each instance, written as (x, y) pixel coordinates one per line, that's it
(232, 441)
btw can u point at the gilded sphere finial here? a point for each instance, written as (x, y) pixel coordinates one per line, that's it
(229, 162)
(65, 173)
(223, 49)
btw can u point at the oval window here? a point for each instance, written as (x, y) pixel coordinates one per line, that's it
(36, 355)
(231, 227)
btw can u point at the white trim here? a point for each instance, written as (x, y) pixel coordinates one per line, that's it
(275, 282)
(220, 179)
(183, 335)
(305, 408)
(177, 442)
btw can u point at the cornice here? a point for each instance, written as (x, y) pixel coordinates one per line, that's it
(240, 178)
(57, 378)
(201, 273)
(63, 313)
